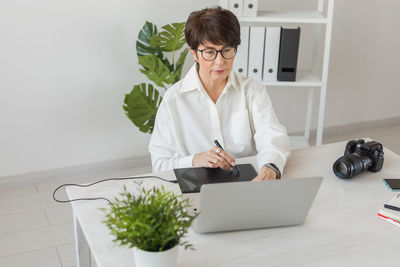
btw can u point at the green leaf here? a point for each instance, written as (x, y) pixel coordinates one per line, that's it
(150, 46)
(151, 219)
(179, 65)
(143, 46)
(155, 70)
(141, 106)
(171, 39)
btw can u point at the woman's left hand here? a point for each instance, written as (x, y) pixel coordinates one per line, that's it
(265, 174)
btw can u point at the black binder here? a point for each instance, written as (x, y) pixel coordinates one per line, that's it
(191, 179)
(288, 53)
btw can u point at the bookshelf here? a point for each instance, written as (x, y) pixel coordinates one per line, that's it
(320, 17)
(304, 78)
(277, 16)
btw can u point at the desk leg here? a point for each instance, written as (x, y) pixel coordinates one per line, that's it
(81, 246)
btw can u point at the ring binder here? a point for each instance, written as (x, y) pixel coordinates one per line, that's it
(288, 54)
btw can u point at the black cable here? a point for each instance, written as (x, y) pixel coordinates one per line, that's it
(104, 180)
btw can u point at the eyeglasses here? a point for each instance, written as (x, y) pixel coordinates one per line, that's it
(209, 54)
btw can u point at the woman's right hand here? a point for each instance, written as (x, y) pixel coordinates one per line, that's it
(212, 159)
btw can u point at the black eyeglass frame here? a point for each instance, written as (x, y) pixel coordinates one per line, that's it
(216, 55)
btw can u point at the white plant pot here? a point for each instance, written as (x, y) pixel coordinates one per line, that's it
(167, 258)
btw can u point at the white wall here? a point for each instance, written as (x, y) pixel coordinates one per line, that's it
(365, 62)
(66, 65)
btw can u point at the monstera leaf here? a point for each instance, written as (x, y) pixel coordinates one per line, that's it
(141, 106)
(171, 39)
(179, 65)
(155, 70)
(143, 46)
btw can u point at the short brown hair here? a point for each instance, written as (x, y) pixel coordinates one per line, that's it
(216, 25)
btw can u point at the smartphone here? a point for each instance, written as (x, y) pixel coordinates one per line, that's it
(392, 184)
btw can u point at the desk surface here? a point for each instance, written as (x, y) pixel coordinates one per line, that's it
(342, 228)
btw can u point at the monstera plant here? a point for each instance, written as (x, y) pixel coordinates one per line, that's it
(156, 54)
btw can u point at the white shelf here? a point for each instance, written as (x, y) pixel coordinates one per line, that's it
(304, 78)
(322, 15)
(298, 142)
(283, 16)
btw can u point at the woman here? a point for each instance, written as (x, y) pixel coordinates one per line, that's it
(214, 103)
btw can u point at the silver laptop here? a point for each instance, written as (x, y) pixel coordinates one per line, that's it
(251, 205)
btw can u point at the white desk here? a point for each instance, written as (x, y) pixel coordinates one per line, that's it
(342, 228)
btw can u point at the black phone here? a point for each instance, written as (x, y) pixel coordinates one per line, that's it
(393, 184)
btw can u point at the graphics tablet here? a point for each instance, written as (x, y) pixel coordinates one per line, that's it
(191, 179)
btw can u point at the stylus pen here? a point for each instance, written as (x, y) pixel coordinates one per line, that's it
(235, 169)
(391, 207)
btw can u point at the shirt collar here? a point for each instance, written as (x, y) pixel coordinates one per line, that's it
(192, 81)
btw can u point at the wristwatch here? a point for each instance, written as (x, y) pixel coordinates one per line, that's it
(274, 168)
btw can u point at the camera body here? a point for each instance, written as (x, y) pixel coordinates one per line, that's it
(372, 149)
(359, 156)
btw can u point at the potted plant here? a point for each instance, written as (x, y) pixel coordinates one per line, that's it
(156, 54)
(152, 222)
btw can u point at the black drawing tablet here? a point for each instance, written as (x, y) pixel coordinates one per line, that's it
(191, 179)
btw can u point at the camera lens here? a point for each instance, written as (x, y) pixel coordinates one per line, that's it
(342, 168)
(350, 165)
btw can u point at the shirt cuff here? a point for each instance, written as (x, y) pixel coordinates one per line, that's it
(271, 157)
(185, 162)
(274, 168)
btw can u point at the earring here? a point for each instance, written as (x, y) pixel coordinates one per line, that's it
(197, 65)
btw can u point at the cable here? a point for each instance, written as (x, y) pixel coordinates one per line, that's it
(104, 180)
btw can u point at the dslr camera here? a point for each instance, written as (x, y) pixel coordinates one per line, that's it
(359, 156)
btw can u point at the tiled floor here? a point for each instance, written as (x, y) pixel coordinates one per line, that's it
(36, 231)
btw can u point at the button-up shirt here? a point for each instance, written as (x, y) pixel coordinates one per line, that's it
(242, 120)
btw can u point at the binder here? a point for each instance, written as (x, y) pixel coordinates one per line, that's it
(236, 6)
(271, 55)
(256, 52)
(241, 59)
(250, 8)
(288, 53)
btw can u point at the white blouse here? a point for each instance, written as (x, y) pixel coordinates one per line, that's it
(242, 120)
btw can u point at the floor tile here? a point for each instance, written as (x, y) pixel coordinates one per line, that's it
(30, 202)
(18, 187)
(396, 149)
(68, 255)
(62, 213)
(391, 141)
(51, 184)
(94, 172)
(22, 221)
(11, 244)
(47, 257)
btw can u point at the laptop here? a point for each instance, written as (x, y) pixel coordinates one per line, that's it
(252, 205)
